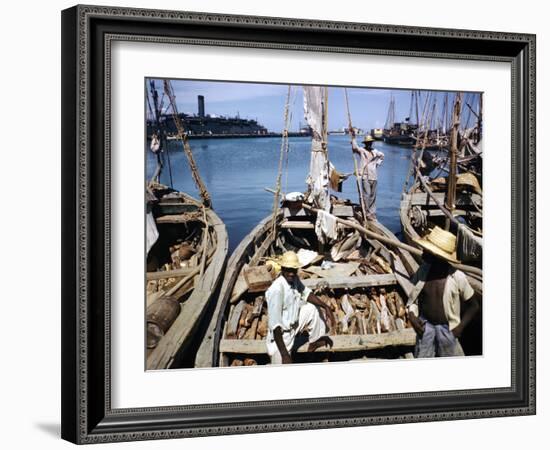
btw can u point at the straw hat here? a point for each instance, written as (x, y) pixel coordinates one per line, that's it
(440, 243)
(290, 260)
(470, 180)
(368, 138)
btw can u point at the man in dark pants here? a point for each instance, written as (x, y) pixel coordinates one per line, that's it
(368, 173)
(436, 300)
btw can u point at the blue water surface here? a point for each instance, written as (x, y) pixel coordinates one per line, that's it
(236, 171)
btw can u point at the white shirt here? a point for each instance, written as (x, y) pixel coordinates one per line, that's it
(283, 304)
(370, 160)
(155, 144)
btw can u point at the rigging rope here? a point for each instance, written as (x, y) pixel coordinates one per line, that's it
(182, 135)
(284, 150)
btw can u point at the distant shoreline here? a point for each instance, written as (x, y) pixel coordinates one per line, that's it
(237, 135)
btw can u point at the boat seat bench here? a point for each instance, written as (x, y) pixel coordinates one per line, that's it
(342, 343)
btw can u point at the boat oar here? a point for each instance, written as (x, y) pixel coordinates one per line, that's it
(371, 234)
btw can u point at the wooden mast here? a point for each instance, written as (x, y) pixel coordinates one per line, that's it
(205, 196)
(453, 151)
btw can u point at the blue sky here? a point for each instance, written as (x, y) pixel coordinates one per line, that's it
(265, 102)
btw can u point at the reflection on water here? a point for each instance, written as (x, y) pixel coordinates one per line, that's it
(236, 171)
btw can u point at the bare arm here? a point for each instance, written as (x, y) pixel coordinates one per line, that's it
(354, 147)
(417, 324)
(468, 301)
(314, 300)
(380, 158)
(471, 308)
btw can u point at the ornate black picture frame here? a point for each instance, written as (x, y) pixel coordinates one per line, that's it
(87, 34)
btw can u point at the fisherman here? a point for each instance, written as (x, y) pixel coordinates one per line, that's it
(439, 293)
(292, 309)
(370, 160)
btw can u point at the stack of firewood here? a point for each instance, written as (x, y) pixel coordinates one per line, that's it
(183, 255)
(248, 320)
(371, 311)
(379, 311)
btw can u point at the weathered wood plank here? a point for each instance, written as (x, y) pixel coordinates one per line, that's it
(168, 208)
(297, 224)
(300, 213)
(233, 322)
(353, 282)
(438, 213)
(342, 343)
(342, 211)
(176, 218)
(176, 273)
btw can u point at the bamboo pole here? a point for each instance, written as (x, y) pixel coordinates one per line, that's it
(359, 187)
(451, 180)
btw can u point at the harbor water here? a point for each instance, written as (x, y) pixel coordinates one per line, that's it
(236, 172)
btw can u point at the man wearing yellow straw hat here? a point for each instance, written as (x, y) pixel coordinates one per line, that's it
(439, 293)
(292, 309)
(371, 158)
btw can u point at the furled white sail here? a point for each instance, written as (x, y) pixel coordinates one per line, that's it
(318, 179)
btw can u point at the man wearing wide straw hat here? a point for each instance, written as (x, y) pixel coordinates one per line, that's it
(368, 173)
(439, 293)
(292, 309)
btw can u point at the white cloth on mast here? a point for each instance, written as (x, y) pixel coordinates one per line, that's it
(469, 247)
(326, 226)
(152, 232)
(318, 179)
(313, 110)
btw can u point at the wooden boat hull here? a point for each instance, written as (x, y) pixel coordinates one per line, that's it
(171, 349)
(217, 350)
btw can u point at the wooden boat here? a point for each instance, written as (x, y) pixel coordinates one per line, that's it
(184, 269)
(420, 211)
(367, 268)
(363, 279)
(426, 203)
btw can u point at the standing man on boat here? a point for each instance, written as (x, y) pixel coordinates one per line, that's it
(439, 293)
(292, 308)
(371, 159)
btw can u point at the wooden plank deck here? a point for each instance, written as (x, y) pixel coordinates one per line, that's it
(342, 343)
(352, 282)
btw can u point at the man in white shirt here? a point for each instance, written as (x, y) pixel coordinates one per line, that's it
(439, 293)
(292, 309)
(368, 172)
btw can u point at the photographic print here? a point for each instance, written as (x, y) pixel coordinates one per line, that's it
(312, 208)
(294, 224)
